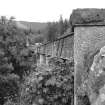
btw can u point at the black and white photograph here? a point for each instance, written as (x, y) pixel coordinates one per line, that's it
(52, 52)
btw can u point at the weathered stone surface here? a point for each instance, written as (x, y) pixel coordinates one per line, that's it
(87, 39)
(62, 47)
(87, 44)
(68, 47)
(86, 16)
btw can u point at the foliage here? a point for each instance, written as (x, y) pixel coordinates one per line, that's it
(15, 59)
(50, 85)
(51, 31)
(14, 54)
(9, 102)
(56, 29)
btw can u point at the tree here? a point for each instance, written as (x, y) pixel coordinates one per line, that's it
(3, 19)
(15, 59)
(66, 25)
(39, 32)
(61, 25)
(56, 29)
(51, 33)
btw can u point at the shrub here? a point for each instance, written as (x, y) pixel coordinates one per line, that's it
(50, 85)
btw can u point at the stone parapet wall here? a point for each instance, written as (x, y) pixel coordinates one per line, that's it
(88, 16)
(62, 47)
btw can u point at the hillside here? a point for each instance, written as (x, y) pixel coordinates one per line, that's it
(34, 25)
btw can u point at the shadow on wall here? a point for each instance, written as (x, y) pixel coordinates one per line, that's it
(83, 89)
(92, 87)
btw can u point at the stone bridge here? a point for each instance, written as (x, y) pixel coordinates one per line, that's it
(89, 41)
(84, 44)
(62, 47)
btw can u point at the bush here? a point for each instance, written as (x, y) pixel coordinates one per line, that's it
(9, 102)
(50, 85)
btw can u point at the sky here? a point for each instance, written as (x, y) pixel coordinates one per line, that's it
(44, 10)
